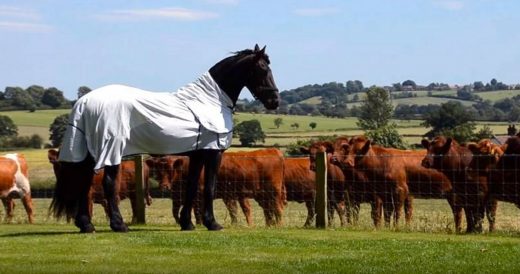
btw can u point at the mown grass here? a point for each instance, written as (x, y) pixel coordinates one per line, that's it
(159, 247)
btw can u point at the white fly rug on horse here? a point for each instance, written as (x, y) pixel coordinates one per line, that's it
(116, 121)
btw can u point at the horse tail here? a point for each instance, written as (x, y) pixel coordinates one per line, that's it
(73, 183)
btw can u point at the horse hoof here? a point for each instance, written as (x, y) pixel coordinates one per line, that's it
(119, 228)
(213, 226)
(187, 227)
(87, 229)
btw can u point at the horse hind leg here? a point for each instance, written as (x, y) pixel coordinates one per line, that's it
(109, 188)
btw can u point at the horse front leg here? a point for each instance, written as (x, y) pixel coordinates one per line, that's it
(211, 167)
(111, 196)
(194, 170)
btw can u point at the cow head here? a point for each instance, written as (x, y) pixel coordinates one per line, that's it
(486, 155)
(314, 148)
(166, 170)
(436, 149)
(52, 155)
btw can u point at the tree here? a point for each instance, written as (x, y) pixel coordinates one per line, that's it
(249, 132)
(53, 97)
(376, 111)
(450, 119)
(7, 127)
(57, 129)
(313, 125)
(278, 122)
(387, 136)
(410, 83)
(83, 90)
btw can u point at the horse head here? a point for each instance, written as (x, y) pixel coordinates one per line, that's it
(248, 68)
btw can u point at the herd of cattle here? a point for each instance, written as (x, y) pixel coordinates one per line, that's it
(471, 177)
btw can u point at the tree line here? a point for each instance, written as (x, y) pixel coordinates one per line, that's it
(335, 97)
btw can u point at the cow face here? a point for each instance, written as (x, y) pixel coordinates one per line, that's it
(485, 154)
(316, 147)
(436, 149)
(166, 170)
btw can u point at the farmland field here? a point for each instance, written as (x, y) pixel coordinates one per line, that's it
(159, 246)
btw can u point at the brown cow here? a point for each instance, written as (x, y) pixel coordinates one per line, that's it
(14, 183)
(125, 185)
(335, 183)
(504, 179)
(469, 193)
(396, 175)
(242, 175)
(483, 163)
(300, 184)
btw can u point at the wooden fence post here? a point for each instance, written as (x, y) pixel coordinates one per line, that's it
(321, 190)
(139, 191)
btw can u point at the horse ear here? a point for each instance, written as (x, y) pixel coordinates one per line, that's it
(257, 48)
(262, 51)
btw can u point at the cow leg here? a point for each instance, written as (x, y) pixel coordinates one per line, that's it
(491, 211)
(9, 208)
(311, 213)
(28, 205)
(211, 167)
(194, 170)
(231, 206)
(408, 209)
(457, 212)
(246, 209)
(109, 188)
(342, 213)
(376, 204)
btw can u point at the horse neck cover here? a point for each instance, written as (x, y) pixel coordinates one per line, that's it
(116, 121)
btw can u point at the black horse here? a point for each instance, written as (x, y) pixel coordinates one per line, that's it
(86, 146)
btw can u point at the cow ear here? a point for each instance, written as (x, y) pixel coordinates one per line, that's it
(178, 163)
(329, 147)
(345, 147)
(305, 150)
(473, 148)
(150, 162)
(425, 143)
(52, 155)
(447, 145)
(366, 147)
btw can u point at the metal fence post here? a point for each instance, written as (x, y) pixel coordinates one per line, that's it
(139, 192)
(321, 190)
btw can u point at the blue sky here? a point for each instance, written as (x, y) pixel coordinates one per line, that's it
(162, 45)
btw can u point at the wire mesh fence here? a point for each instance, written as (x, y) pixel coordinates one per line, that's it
(252, 190)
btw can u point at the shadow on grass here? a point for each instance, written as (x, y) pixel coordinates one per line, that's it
(98, 231)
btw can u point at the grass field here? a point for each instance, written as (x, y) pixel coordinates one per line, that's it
(159, 247)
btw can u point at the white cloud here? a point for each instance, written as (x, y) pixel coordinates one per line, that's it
(161, 13)
(223, 2)
(450, 5)
(21, 20)
(315, 12)
(24, 27)
(19, 13)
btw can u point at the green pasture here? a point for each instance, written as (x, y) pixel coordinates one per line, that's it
(498, 94)
(427, 246)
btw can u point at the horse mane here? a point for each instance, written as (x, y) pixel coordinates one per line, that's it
(242, 53)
